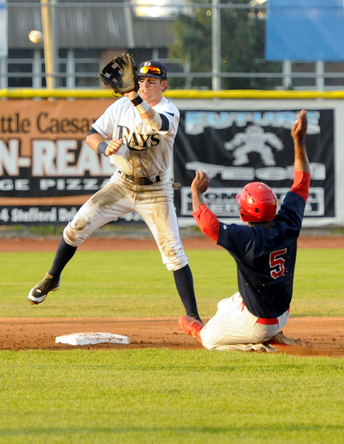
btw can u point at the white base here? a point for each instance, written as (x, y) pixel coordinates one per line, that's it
(92, 338)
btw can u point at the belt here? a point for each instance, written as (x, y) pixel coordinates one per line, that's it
(140, 180)
(267, 321)
(270, 321)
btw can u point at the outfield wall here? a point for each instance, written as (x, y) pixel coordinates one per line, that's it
(47, 171)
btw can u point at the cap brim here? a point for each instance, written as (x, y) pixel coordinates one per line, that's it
(152, 76)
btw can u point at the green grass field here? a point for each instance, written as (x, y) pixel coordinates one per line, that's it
(136, 284)
(165, 396)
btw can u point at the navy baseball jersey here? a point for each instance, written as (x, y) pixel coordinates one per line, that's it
(266, 258)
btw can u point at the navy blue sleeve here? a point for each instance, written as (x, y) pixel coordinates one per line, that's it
(292, 210)
(92, 131)
(237, 239)
(165, 124)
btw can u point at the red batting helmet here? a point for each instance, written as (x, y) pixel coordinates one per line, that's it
(257, 203)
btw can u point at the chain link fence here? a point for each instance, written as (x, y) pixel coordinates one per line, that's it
(205, 45)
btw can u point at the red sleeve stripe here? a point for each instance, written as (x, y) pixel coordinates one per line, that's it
(207, 222)
(301, 184)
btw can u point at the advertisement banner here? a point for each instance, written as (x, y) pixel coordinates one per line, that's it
(46, 169)
(237, 147)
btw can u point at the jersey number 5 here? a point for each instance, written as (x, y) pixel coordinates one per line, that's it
(277, 261)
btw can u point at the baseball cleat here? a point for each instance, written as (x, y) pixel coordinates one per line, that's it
(196, 316)
(281, 339)
(41, 290)
(191, 327)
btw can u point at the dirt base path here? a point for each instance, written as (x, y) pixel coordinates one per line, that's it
(326, 335)
(117, 243)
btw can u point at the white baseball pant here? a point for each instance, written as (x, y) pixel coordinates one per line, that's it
(154, 203)
(234, 324)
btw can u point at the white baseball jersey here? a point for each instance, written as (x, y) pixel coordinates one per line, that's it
(145, 152)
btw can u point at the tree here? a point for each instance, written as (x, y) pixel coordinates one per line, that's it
(242, 48)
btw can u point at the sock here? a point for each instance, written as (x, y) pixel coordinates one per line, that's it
(184, 283)
(64, 254)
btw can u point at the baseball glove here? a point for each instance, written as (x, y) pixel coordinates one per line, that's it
(120, 74)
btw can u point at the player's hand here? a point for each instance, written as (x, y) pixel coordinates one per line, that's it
(131, 95)
(200, 183)
(299, 129)
(114, 146)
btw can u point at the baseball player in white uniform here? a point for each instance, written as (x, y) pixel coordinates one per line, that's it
(143, 128)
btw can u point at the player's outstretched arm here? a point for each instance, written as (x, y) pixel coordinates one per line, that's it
(199, 186)
(147, 113)
(298, 134)
(205, 219)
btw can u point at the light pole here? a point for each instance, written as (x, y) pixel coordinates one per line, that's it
(48, 33)
(216, 45)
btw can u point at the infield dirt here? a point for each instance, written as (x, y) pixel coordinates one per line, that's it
(326, 335)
